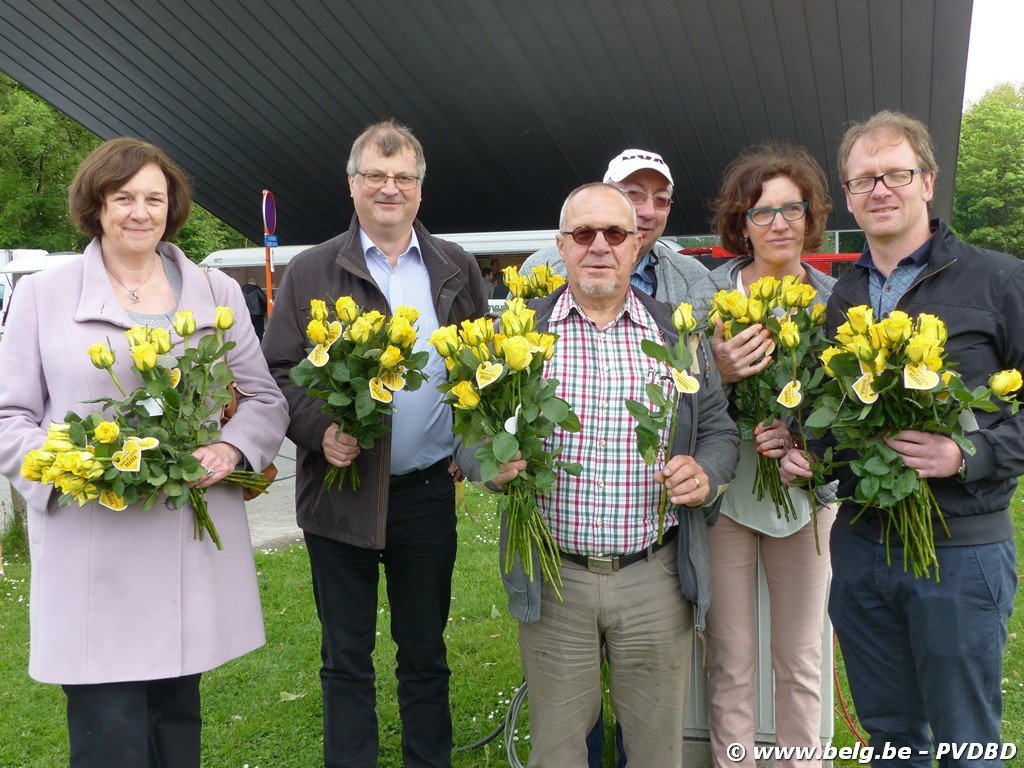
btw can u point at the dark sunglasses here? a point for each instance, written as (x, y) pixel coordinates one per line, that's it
(587, 235)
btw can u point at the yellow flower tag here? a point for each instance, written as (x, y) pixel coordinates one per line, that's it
(333, 333)
(175, 376)
(393, 380)
(684, 381)
(319, 356)
(111, 500)
(790, 396)
(919, 377)
(129, 458)
(379, 392)
(863, 389)
(488, 373)
(145, 443)
(771, 347)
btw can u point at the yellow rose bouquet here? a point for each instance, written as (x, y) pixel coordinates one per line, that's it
(503, 403)
(540, 281)
(653, 420)
(139, 448)
(786, 309)
(359, 358)
(885, 377)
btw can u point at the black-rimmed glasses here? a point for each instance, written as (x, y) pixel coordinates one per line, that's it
(864, 184)
(613, 235)
(763, 217)
(378, 180)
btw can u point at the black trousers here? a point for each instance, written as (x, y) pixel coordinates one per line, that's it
(418, 560)
(146, 724)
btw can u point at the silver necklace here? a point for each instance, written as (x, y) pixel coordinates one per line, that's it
(133, 293)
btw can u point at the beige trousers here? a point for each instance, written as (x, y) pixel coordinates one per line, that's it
(647, 628)
(797, 578)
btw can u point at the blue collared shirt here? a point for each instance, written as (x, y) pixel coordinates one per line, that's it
(639, 278)
(885, 292)
(421, 427)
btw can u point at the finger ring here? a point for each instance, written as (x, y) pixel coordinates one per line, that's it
(207, 472)
(782, 443)
(696, 483)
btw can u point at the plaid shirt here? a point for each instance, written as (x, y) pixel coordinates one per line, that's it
(612, 508)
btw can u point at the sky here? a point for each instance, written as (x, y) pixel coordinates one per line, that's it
(995, 54)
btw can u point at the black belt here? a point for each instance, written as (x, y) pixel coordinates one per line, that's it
(419, 476)
(613, 563)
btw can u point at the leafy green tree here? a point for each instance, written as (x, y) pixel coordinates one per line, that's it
(988, 204)
(40, 150)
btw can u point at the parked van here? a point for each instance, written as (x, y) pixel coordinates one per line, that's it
(24, 261)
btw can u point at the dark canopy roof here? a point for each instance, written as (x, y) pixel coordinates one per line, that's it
(516, 101)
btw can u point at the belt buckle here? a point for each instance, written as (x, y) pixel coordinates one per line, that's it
(603, 564)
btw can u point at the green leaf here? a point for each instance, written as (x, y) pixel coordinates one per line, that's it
(877, 466)
(554, 409)
(657, 395)
(505, 446)
(488, 470)
(573, 468)
(570, 423)
(654, 350)
(637, 410)
(364, 403)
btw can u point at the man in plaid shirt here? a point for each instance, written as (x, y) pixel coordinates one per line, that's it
(640, 599)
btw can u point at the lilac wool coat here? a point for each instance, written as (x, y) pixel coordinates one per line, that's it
(119, 596)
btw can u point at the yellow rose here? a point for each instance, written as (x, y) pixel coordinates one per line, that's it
(932, 327)
(1005, 382)
(547, 343)
(861, 346)
(919, 347)
(933, 360)
(184, 323)
(161, 340)
(877, 335)
(34, 463)
(410, 313)
(101, 355)
(826, 355)
(756, 309)
(720, 302)
(106, 432)
(318, 309)
(445, 340)
(316, 331)
(736, 305)
(498, 341)
(375, 319)
(391, 357)
(860, 317)
(137, 334)
(361, 331)
(223, 318)
(682, 319)
(764, 288)
(516, 351)
(555, 282)
(517, 286)
(540, 274)
(144, 356)
(401, 332)
(472, 333)
(789, 334)
(898, 327)
(818, 314)
(468, 398)
(519, 315)
(346, 309)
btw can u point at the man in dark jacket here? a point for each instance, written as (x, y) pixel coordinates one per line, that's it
(256, 303)
(924, 659)
(403, 514)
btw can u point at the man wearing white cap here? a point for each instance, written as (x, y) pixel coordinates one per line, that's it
(660, 271)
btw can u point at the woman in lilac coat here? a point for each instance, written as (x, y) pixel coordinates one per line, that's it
(128, 608)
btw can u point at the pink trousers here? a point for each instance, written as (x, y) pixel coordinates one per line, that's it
(797, 578)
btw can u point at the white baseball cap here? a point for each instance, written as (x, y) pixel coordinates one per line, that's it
(632, 160)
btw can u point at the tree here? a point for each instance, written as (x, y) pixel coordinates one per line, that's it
(989, 196)
(40, 150)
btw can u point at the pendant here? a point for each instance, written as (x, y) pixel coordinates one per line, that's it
(133, 296)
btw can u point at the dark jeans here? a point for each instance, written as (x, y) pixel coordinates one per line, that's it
(924, 660)
(418, 560)
(595, 744)
(147, 724)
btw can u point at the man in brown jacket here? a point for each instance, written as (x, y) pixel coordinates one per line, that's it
(403, 514)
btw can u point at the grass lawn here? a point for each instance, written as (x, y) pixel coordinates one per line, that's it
(264, 710)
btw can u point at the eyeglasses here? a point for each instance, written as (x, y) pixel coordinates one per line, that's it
(864, 184)
(612, 235)
(378, 180)
(763, 217)
(636, 197)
